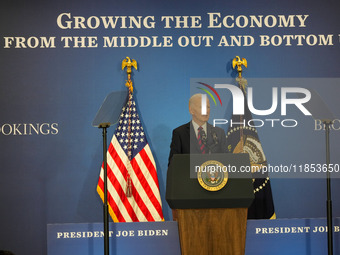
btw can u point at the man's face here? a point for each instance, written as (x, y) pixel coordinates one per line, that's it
(196, 111)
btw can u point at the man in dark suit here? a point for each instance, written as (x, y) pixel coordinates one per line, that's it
(198, 136)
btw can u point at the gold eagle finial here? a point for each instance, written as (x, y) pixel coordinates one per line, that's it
(129, 64)
(238, 62)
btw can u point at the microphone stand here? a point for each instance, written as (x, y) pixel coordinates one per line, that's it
(327, 123)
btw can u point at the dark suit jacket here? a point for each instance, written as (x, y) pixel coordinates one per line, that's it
(184, 140)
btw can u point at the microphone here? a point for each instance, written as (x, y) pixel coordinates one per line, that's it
(214, 142)
(215, 138)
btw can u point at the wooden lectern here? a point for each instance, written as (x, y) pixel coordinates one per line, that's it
(210, 222)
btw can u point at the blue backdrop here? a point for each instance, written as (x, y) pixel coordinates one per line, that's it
(52, 84)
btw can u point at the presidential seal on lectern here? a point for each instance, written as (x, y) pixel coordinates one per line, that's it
(212, 175)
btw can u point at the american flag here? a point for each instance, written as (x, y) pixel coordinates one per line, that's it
(131, 168)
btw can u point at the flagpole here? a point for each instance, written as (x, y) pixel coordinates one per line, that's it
(242, 84)
(129, 84)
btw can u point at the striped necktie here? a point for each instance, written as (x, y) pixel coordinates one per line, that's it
(200, 141)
